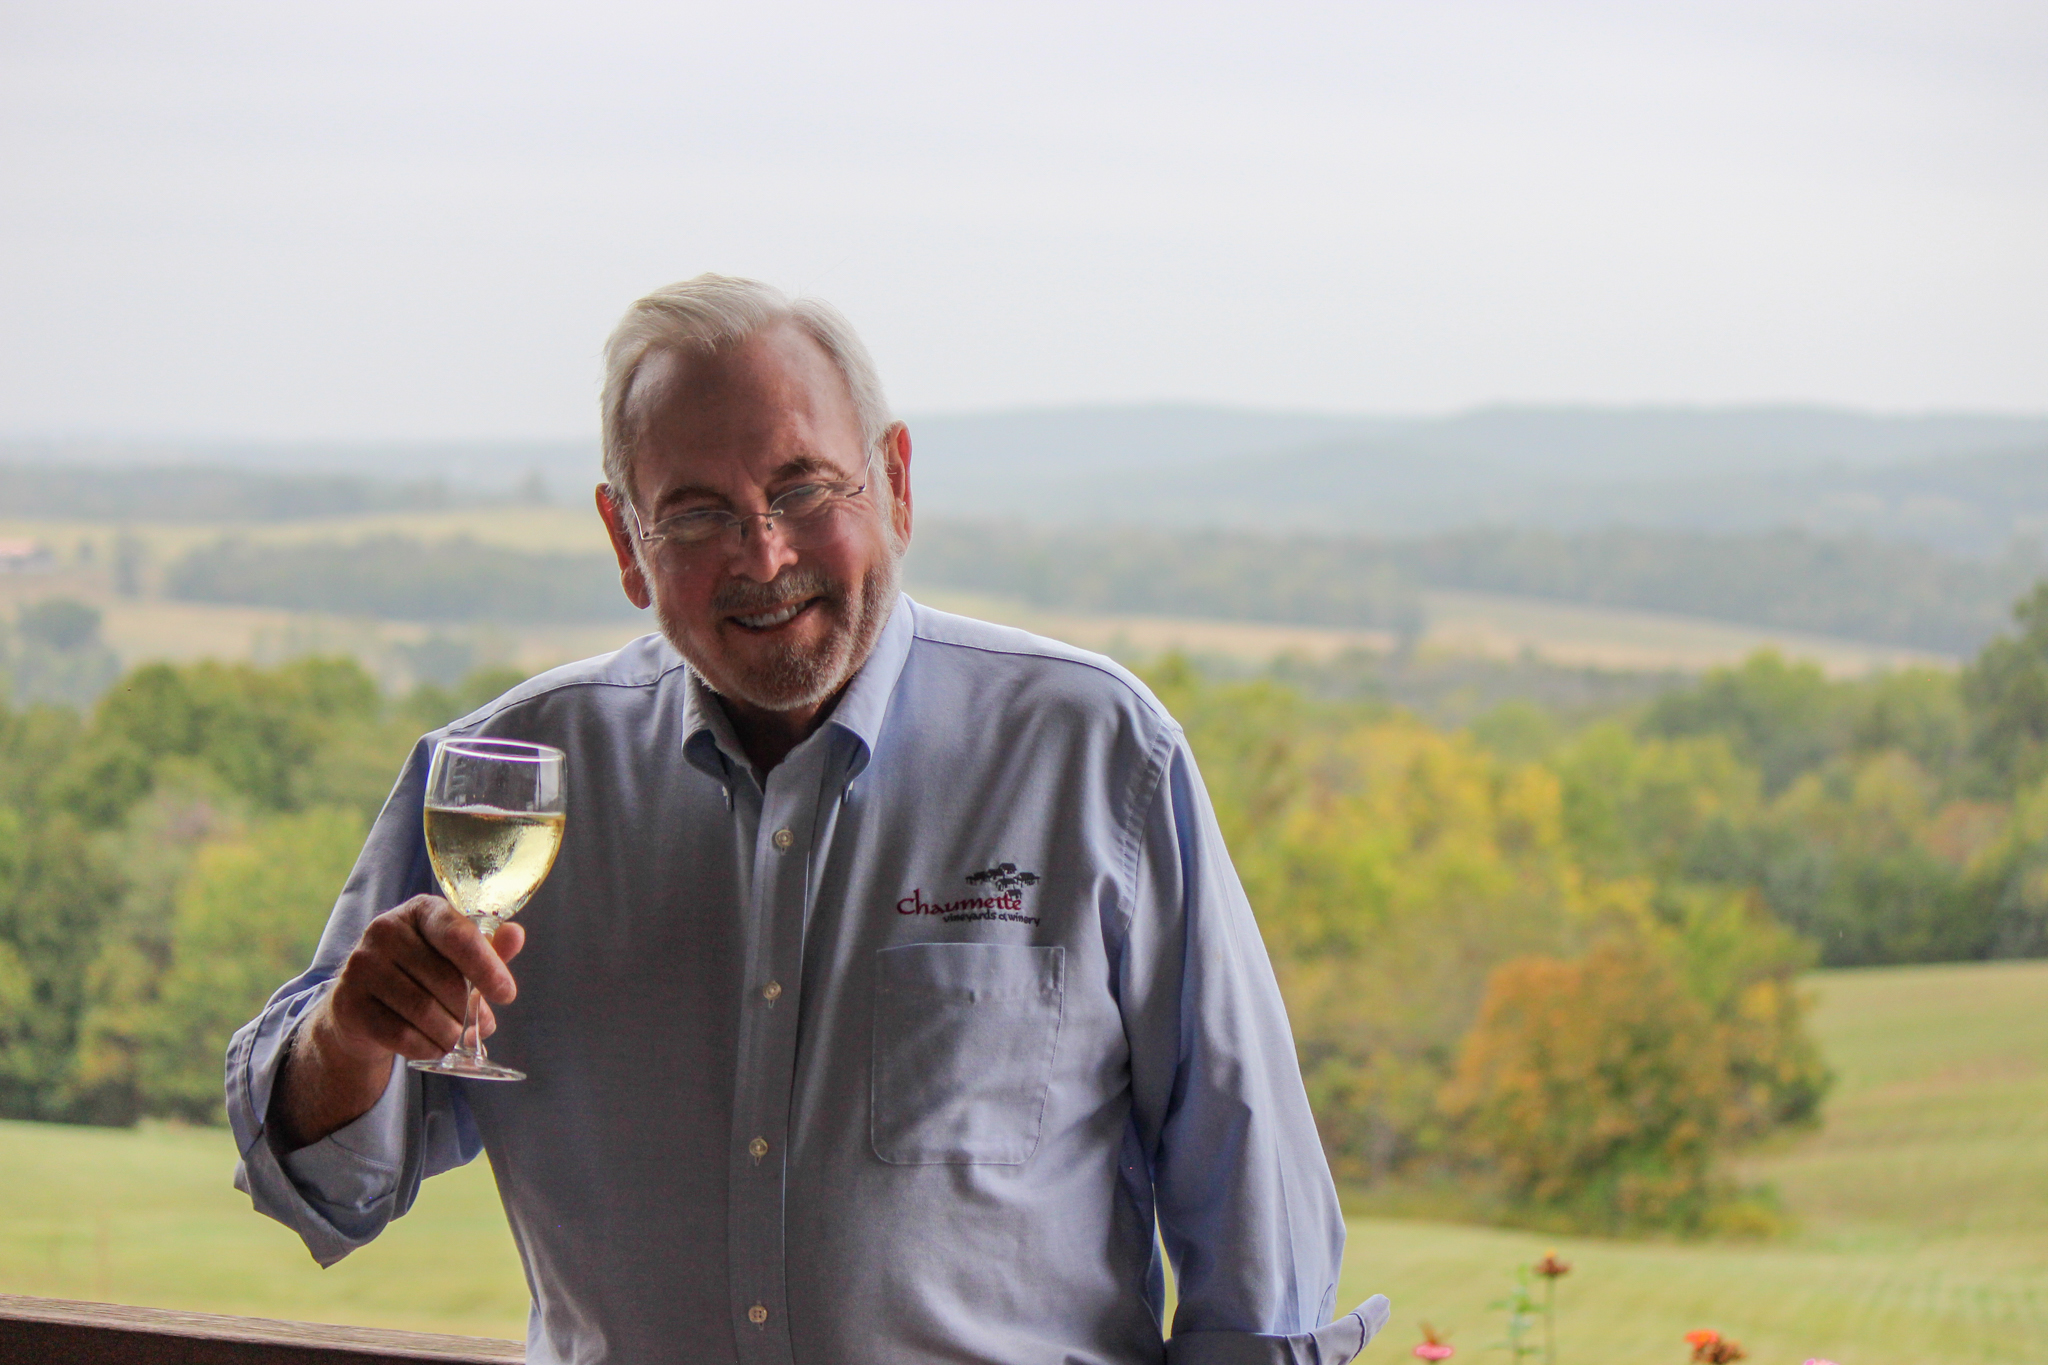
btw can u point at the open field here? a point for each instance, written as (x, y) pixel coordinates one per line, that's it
(1923, 1205)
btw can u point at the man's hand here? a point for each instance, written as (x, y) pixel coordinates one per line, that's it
(401, 993)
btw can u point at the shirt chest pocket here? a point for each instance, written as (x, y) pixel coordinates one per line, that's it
(963, 1049)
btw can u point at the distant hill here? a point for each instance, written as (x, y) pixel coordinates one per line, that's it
(1705, 468)
(174, 493)
(562, 470)
(1966, 483)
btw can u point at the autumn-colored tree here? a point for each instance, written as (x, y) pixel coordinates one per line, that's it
(1597, 1087)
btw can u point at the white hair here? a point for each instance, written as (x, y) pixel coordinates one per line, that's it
(710, 313)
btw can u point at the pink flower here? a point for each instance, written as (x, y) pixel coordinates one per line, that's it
(1433, 1350)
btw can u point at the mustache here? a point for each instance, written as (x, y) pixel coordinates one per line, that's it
(793, 584)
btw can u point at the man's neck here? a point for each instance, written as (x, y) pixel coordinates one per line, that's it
(768, 736)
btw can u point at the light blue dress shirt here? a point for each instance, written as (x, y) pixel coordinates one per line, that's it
(898, 1052)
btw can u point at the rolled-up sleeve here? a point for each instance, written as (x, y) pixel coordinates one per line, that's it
(1246, 1207)
(340, 1192)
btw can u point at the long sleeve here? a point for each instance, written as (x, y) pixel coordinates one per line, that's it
(340, 1192)
(1246, 1207)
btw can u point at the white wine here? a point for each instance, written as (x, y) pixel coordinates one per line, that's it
(489, 861)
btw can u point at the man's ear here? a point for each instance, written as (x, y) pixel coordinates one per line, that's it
(631, 578)
(896, 463)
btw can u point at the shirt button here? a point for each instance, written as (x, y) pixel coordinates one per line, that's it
(757, 1315)
(772, 992)
(783, 839)
(759, 1148)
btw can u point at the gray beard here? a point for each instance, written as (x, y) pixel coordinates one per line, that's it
(793, 679)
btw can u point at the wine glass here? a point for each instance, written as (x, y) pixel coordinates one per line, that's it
(494, 815)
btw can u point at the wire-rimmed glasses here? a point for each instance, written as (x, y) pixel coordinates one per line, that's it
(800, 514)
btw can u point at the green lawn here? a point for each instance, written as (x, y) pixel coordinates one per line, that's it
(1923, 1209)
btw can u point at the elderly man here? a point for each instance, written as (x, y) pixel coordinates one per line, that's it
(892, 986)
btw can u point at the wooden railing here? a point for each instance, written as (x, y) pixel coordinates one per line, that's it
(61, 1332)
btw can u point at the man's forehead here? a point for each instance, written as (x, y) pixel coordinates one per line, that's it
(777, 383)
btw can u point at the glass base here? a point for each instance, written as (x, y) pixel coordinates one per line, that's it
(455, 1064)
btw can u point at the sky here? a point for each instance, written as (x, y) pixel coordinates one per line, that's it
(418, 221)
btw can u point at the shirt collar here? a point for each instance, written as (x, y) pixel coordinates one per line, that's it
(712, 747)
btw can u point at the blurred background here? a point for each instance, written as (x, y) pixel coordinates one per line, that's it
(1573, 467)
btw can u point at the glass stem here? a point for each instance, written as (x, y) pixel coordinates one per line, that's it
(471, 1044)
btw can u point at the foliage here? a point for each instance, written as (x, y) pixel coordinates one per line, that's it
(168, 861)
(55, 654)
(1405, 878)
(1596, 1088)
(2007, 689)
(248, 916)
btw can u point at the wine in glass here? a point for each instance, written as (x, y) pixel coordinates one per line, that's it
(494, 816)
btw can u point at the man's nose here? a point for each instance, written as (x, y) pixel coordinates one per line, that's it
(764, 549)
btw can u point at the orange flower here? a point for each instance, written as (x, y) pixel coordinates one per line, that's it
(1711, 1348)
(1550, 1267)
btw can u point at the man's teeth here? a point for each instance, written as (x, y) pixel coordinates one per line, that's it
(772, 618)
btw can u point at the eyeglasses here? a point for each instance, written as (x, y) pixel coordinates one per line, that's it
(803, 514)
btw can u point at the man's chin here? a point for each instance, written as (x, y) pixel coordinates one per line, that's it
(788, 669)
(797, 666)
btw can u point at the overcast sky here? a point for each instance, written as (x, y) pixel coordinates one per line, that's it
(419, 219)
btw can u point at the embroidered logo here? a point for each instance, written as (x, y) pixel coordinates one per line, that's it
(1003, 877)
(1000, 897)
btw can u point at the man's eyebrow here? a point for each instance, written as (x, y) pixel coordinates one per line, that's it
(799, 465)
(688, 492)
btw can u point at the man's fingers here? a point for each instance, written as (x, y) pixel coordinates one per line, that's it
(398, 942)
(464, 945)
(401, 1037)
(383, 999)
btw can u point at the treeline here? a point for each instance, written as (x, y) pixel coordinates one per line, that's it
(1885, 593)
(403, 579)
(196, 493)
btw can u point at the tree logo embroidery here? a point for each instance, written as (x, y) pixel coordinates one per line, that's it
(1002, 877)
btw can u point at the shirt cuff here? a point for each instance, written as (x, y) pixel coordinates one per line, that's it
(1331, 1344)
(351, 1176)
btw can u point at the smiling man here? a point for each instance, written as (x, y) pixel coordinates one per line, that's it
(892, 998)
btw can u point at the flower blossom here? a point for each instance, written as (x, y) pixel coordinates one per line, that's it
(1433, 1347)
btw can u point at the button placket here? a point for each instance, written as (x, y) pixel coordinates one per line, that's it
(776, 913)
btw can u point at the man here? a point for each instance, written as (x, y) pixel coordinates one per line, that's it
(892, 984)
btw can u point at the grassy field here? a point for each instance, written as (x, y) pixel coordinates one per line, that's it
(1923, 1207)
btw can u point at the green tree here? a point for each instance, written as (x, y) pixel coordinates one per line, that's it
(1782, 718)
(246, 920)
(2006, 690)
